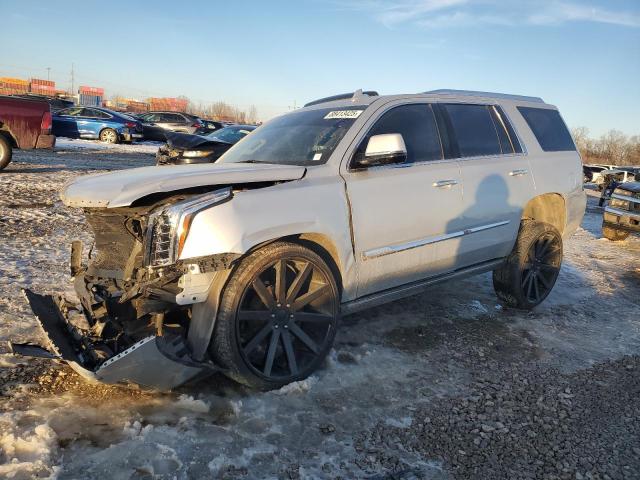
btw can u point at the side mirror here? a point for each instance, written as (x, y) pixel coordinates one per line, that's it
(384, 149)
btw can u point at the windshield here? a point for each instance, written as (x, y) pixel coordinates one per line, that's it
(300, 138)
(230, 134)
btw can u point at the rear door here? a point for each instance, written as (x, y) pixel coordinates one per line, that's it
(174, 122)
(497, 181)
(65, 122)
(400, 213)
(92, 121)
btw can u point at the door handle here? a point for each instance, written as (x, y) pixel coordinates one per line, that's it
(518, 173)
(444, 183)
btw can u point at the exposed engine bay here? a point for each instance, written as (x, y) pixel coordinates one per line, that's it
(135, 296)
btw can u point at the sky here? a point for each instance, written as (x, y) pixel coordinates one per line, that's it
(583, 57)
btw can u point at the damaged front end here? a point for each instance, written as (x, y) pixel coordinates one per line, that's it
(135, 321)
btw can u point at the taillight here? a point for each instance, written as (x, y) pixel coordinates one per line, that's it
(197, 125)
(130, 125)
(45, 125)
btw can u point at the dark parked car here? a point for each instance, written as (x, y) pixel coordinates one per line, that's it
(157, 124)
(186, 149)
(24, 123)
(96, 123)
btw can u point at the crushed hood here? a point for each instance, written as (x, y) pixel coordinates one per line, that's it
(122, 188)
(186, 141)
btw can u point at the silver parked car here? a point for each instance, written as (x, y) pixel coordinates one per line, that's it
(245, 266)
(156, 124)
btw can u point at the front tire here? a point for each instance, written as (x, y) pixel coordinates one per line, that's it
(531, 270)
(109, 135)
(6, 152)
(614, 234)
(278, 317)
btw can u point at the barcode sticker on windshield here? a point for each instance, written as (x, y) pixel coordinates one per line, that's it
(343, 114)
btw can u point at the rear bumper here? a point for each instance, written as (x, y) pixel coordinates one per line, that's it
(160, 362)
(46, 141)
(130, 136)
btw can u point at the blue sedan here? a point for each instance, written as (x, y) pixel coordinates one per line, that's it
(96, 123)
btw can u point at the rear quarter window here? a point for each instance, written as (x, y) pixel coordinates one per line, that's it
(549, 129)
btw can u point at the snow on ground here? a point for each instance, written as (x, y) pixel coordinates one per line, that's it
(388, 363)
(81, 144)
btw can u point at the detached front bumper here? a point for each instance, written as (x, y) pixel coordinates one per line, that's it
(160, 362)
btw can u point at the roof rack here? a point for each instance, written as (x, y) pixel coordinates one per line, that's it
(343, 96)
(471, 93)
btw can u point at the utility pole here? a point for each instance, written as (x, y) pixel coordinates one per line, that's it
(48, 72)
(72, 80)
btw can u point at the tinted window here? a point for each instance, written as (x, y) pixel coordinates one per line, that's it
(72, 112)
(474, 130)
(417, 125)
(549, 129)
(93, 113)
(515, 142)
(503, 136)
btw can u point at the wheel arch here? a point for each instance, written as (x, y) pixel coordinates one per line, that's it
(549, 208)
(6, 133)
(320, 244)
(107, 127)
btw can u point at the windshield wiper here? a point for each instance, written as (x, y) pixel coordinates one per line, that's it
(253, 161)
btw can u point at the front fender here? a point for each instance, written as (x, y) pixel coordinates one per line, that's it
(253, 217)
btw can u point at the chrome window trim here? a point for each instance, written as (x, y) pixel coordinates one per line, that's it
(389, 249)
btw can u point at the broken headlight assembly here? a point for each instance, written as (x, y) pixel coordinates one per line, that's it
(168, 227)
(196, 153)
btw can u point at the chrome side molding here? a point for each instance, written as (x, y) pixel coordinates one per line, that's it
(382, 251)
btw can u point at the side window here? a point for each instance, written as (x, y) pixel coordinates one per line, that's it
(71, 112)
(502, 117)
(93, 113)
(550, 131)
(417, 125)
(474, 130)
(175, 118)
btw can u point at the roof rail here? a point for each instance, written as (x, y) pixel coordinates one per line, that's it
(471, 93)
(343, 96)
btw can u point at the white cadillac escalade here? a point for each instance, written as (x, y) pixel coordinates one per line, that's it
(245, 266)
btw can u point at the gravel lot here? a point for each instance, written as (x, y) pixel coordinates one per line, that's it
(445, 385)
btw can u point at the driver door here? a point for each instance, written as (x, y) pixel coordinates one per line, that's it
(400, 212)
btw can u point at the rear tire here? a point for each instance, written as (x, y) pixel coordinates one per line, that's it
(6, 152)
(277, 318)
(109, 135)
(530, 271)
(614, 234)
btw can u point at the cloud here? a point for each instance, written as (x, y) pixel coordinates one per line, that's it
(440, 14)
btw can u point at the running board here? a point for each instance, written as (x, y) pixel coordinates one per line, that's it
(409, 289)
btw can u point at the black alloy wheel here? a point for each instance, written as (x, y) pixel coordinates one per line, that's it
(278, 316)
(286, 318)
(541, 268)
